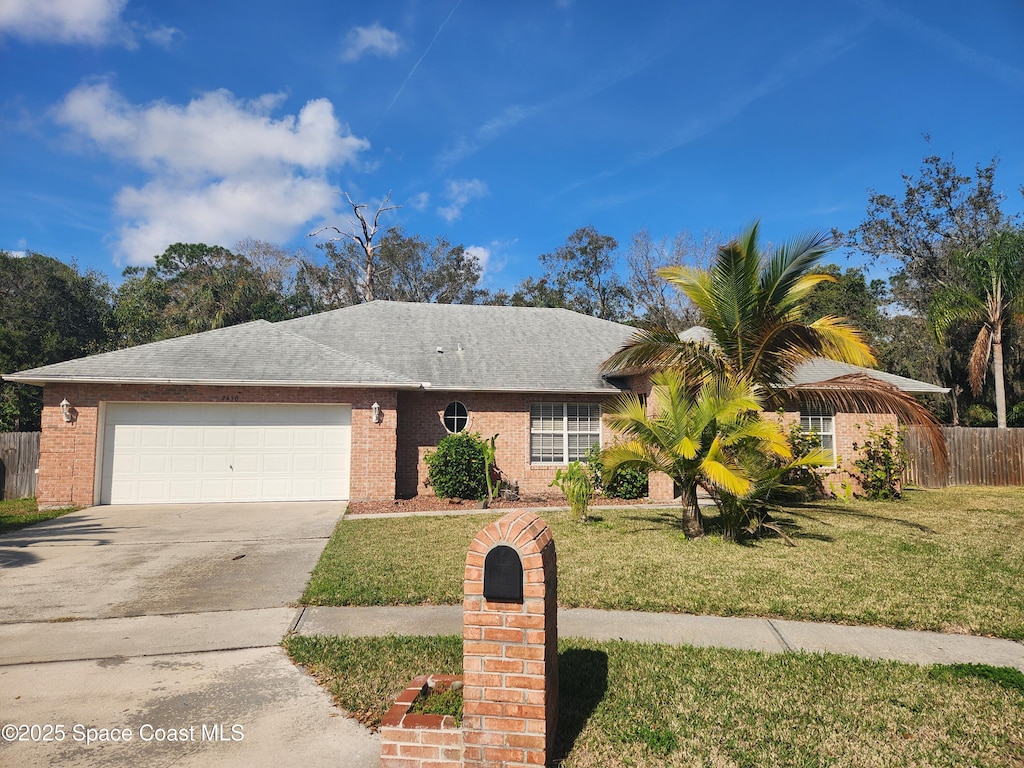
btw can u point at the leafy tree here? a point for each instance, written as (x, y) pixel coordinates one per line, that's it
(195, 287)
(406, 268)
(753, 305)
(987, 293)
(582, 273)
(942, 212)
(49, 313)
(695, 434)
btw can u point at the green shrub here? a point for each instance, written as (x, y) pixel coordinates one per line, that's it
(626, 483)
(979, 415)
(881, 462)
(1015, 417)
(457, 469)
(805, 481)
(578, 487)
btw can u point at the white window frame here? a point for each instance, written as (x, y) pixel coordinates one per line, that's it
(820, 420)
(553, 419)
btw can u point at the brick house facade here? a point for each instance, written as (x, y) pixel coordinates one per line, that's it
(396, 366)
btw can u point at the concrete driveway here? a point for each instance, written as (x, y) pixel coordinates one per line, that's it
(164, 623)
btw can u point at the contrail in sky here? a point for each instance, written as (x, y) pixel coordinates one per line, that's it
(416, 65)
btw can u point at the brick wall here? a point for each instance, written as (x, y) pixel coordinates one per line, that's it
(419, 741)
(503, 414)
(510, 651)
(67, 450)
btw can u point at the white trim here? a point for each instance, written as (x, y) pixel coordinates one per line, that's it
(97, 481)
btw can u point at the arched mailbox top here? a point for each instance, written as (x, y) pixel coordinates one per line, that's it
(503, 575)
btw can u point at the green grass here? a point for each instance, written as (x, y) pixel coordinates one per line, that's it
(18, 513)
(950, 561)
(624, 704)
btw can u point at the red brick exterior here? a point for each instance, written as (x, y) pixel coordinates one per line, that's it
(419, 741)
(387, 458)
(504, 414)
(67, 450)
(510, 651)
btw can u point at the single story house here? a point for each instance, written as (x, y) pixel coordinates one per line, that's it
(340, 405)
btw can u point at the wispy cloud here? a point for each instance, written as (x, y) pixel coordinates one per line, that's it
(945, 43)
(418, 62)
(374, 40)
(80, 22)
(489, 131)
(420, 201)
(220, 168)
(797, 65)
(460, 192)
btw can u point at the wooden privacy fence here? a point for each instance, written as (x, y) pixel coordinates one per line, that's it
(977, 456)
(19, 459)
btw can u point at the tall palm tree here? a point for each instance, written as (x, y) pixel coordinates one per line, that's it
(752, 305)
(990, 294)
(694, 434)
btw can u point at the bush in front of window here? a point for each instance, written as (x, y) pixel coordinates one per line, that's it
(881, 462)
(457, 469)
(626, 483)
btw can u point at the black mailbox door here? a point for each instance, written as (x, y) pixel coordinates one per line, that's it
(503, 575)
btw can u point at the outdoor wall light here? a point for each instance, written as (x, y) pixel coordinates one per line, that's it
(375, 413)
(65, 409)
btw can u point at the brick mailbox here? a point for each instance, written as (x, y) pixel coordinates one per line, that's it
(510, 644)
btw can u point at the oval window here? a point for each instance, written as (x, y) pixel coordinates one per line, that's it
(456, 417)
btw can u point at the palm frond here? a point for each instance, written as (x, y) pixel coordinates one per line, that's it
(977, 367)
(858, 392)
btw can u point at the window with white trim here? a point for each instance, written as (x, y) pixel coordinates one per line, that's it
(816, 419)
(563, 432)
(455, 417)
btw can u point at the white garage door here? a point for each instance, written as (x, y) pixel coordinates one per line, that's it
(175, 452)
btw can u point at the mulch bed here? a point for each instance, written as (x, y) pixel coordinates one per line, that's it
(431, 503)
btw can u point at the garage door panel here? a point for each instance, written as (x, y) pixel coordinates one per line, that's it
(175, 452)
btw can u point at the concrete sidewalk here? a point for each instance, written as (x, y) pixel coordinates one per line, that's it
(770, 635)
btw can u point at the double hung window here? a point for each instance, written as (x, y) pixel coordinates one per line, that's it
(563, 432)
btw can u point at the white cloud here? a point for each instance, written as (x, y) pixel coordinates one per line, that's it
(419, 202)
(460, 193)
(221, 168)
(374, 40)
(482, 255)
(90, 22)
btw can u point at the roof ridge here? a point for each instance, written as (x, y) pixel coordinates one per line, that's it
(344, 355)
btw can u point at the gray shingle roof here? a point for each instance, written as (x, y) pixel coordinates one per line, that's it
(821, 369)
(481, 347)
(381, 344)
(398, 345)
(253, 353)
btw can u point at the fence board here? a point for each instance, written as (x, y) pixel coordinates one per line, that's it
(977, 456)
(19, 459)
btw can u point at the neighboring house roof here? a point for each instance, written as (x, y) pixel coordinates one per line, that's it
(819, 370)
(379, 344)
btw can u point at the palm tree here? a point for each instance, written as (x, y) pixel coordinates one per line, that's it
(752, 306)
(695, 435)
(990, 293)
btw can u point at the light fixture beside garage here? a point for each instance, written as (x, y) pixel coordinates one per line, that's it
(375, 413)
(65, 409)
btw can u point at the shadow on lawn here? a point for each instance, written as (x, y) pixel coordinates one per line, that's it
(713, 526)
(804, 510)
(582, 683)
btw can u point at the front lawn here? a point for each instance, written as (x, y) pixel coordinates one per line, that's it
(951, 561)
(18, 513)
(625, 704)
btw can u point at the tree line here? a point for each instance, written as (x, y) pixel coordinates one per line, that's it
(951, 313)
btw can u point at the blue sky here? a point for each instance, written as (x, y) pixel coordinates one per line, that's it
(127, 125)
